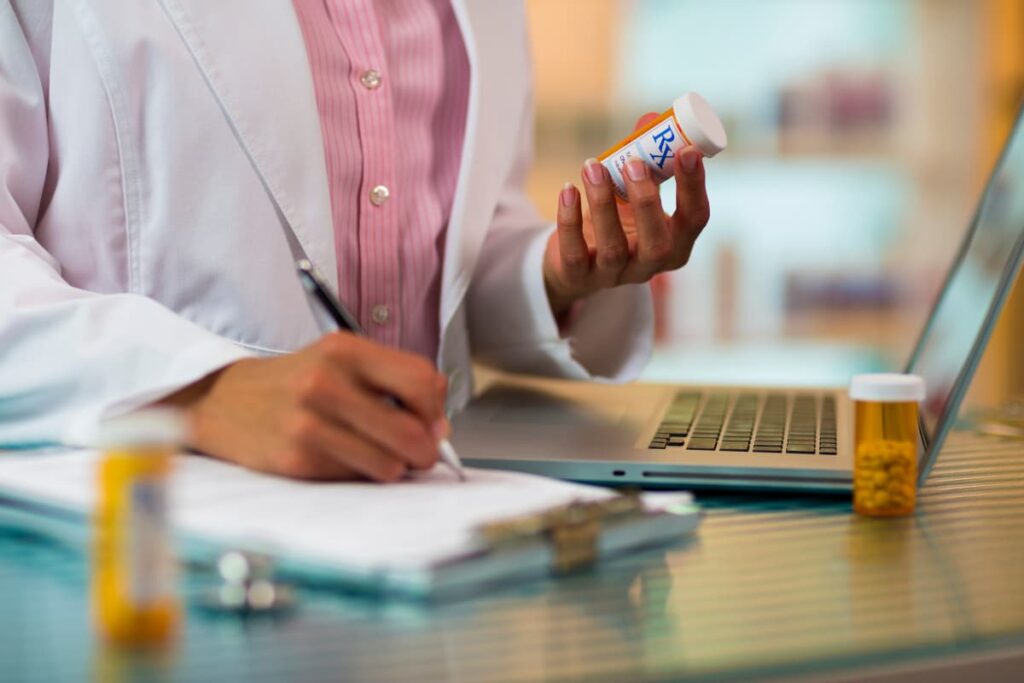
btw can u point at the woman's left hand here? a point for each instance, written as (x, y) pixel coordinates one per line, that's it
(619, 243)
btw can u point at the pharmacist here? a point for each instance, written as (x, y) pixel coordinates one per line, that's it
(162, 163)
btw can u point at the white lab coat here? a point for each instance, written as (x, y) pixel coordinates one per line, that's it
(157, 155)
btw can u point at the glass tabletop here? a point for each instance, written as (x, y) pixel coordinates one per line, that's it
(769, 585)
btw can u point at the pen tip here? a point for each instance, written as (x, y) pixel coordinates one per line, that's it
(451, 458)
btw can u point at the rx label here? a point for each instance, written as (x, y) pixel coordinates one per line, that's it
(663, 140)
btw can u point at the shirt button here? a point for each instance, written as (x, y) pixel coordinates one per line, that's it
(379, 195)
(380, 314)
(370, 79)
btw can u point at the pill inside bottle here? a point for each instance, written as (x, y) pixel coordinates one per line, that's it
(885, 443)
(690, 121)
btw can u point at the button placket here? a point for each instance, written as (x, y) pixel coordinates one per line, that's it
(379, 278)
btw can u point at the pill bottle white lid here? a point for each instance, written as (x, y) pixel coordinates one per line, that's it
(148, 427)
(700, 123)
(889, 387)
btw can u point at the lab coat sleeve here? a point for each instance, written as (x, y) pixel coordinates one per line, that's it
(512, 327)
(67, 356)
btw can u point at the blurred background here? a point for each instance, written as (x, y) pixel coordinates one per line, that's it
(861, 133)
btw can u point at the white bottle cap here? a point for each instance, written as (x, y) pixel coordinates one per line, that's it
(148, 427)
(700, 123)
(887, 387)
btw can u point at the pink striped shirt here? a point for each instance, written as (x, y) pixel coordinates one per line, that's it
(392, 82)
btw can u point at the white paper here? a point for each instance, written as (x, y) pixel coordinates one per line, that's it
(415, 523)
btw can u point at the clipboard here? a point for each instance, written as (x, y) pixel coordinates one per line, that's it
(555, 542)
(592, 526)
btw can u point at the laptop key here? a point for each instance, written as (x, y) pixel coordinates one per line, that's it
(702, 444)
(674, 430)
(735, 446)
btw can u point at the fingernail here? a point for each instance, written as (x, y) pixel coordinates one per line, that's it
(689, 160)
(441, 429)
(568, 195)
(636, 170)
(592, 169)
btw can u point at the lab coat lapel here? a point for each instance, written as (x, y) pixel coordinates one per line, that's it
(261, 78)
(484, 29)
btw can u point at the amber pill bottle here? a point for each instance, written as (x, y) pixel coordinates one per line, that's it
(134, 603)
(689, 121)
(886, 443)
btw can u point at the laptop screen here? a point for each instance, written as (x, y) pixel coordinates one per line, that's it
(986, 266)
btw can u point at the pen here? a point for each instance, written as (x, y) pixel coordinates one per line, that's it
(317, 290)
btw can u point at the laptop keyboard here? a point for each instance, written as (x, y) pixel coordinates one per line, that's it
(797, 424)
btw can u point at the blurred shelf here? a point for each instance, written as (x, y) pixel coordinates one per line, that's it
(789, 363)
(871, 143)
(896, 329)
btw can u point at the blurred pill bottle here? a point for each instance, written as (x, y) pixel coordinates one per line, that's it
(885, 443)
(690, 121)
(134, 600)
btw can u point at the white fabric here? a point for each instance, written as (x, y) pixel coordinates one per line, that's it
(154, 156)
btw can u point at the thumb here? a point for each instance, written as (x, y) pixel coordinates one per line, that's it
(645, 120)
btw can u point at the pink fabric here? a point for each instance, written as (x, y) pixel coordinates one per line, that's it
(405, 134)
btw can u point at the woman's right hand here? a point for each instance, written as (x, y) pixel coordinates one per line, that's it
(322, 412)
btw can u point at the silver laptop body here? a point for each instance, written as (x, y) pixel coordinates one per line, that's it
(753, 438)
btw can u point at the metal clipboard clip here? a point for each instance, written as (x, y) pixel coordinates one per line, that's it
(572, 531)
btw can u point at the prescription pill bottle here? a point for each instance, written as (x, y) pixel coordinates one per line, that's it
(885, 443)
(133, 568)
(690, 121)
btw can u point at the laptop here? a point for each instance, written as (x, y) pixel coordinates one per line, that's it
(754, 438)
